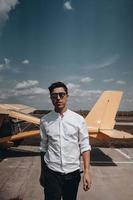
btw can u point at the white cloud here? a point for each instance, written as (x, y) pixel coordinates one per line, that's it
(86, 79)
(72, 86)
(127, 100)
(67, 5)
(5, 7)
(1, 66)
(6, 93)
(26, 84)
(109, 62)
(121, 82)
(3, 96)
(31, 92)
(7, 61)
(16, 70)
(29, 88)
(76, 91)
(82, 98)
(26, 93)
(108, 80)
(25, 62)
(84, 93)
(72, 78)
(106, 63)
(5, 65)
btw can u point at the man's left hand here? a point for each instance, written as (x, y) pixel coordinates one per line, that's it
(87, 180)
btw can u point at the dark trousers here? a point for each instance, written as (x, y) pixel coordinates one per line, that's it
(57, 185)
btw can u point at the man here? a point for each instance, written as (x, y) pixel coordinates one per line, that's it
(64, 137)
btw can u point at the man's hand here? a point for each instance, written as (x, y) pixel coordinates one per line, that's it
(87, 180)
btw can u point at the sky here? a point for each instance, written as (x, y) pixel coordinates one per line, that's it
(87, 44)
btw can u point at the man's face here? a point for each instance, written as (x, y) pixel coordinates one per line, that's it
(59, 98)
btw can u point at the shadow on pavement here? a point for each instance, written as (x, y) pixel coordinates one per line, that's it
(99, 158)
(9, 153)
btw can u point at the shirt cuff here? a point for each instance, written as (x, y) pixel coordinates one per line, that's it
(83, 149)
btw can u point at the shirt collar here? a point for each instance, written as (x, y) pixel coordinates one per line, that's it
(58, 114)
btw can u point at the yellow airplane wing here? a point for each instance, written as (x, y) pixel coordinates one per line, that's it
(20, 112)
(5, 108)
(20, 136)
(117, 134)
(26, 117)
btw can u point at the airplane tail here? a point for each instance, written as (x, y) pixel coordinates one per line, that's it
(102, 115)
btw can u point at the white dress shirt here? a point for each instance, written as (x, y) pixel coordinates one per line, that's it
(63, 139)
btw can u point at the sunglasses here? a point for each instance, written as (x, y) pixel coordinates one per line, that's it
(55, 95)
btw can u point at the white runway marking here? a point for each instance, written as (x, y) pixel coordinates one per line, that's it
(111, 162)
(124, 154)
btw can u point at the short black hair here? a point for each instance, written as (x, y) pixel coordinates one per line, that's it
(57, 85)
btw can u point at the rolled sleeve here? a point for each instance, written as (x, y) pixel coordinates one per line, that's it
(44, 139)
(84, 138)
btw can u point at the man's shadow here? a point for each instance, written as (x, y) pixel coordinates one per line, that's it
(99, 158)
(14, 152)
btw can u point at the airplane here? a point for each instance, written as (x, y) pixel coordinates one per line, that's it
(100, 121)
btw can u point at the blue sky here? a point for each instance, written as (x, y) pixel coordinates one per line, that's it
(88, 44)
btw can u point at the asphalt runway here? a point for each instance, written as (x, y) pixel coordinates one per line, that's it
(111, 169)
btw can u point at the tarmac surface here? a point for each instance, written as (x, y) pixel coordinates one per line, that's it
(111, 169)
